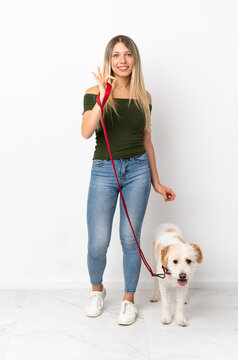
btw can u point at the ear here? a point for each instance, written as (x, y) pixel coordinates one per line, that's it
(198, 251)
(164, 255)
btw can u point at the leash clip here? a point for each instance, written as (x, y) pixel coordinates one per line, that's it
(162, 276)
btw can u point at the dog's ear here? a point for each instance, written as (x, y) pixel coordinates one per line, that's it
(164, 255)
(198, 251)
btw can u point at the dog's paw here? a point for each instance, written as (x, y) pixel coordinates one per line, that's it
(167, 319)
(181, 322)
(154, 298)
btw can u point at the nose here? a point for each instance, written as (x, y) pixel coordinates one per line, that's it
(123, 59)
(182, 276)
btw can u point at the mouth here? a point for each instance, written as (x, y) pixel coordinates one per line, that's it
(123, 68)
(182, 282)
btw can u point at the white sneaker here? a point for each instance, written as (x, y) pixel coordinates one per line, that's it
(128, 313)
(95, 304)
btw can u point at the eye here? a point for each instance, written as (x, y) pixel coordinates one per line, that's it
(188, 261)
(115, 55)
(175, 261)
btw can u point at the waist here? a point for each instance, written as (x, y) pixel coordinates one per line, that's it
(134, 159)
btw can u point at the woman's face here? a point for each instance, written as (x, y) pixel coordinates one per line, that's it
(122, 60)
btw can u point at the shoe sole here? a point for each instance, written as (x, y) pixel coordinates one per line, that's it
(93, 315)
(125, 323)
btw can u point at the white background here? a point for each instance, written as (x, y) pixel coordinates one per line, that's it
(189, 60)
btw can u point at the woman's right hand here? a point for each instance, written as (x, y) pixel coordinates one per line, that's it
(102, 81)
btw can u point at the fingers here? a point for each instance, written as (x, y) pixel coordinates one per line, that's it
(94, 75)
(109, 76)
(97, 79)
(99, 72)
(169, 195)
(114, 81)
(103, 72)
(100, 77)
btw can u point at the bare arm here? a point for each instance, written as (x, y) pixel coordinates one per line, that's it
(166, 192)
(92, 117)
(151, 157)
(150, 153)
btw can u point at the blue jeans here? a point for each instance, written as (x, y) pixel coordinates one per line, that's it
(134, 177)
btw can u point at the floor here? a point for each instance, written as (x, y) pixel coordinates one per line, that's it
(52, 325)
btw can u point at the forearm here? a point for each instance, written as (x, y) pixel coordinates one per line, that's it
(91, 120)
(152, 161)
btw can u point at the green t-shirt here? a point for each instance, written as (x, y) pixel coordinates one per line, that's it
(125, 134)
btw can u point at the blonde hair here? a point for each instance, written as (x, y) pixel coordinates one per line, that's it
(138, 92)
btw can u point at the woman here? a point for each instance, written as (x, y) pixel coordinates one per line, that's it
(127, 121)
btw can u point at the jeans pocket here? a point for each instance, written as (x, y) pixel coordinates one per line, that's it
(140, 159)
(99, 162)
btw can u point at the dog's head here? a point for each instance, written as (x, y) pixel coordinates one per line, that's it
(181, 260)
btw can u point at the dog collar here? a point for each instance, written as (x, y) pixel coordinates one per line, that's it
(165, 270)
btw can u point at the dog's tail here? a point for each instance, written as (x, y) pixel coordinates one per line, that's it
(167, 227)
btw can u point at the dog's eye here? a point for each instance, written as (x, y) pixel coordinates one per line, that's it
(175, 261)
(188, 261)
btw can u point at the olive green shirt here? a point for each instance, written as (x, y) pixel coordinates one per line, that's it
(125, 134)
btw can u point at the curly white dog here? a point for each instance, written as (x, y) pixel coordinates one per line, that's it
(178, 260)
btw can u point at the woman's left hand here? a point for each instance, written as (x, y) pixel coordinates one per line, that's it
(166, 192)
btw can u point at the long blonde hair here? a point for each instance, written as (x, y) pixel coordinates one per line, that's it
(138, 92)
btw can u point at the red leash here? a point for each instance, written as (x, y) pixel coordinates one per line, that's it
(107, 93)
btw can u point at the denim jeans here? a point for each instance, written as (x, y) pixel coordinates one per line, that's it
(134, 177)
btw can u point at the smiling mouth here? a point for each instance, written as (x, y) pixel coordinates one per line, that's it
(182, 282)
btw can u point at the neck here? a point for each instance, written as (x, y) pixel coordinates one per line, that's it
(122, 83)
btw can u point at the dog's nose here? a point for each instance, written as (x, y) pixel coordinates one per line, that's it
(182, 276)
